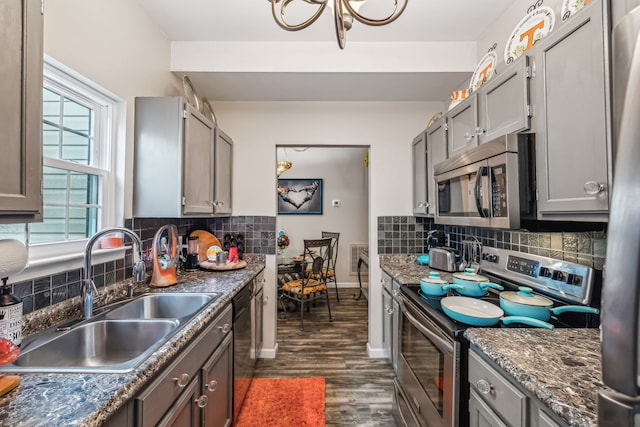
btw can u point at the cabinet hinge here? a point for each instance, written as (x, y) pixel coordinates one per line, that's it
(184, 201)
(528, 72)
(41, 7)
(529, 110)
(536, 195)
(533, 68)
(445, 126)
(185, 114)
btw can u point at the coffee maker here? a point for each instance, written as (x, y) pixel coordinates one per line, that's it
(192, 262)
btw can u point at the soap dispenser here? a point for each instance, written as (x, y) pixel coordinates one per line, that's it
(165, 256)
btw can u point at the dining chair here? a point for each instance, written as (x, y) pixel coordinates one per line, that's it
(333, 259)
(312, 286)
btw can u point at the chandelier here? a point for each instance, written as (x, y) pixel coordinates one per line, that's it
(344, 12)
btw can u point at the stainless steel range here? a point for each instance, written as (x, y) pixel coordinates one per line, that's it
(431, 385)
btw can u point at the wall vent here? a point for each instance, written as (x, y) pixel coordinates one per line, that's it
(355, 249)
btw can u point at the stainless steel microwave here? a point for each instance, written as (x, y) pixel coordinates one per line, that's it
(492, 185)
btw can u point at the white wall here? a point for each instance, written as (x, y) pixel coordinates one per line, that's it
(114, 44)
(388, 128)
(345, 178)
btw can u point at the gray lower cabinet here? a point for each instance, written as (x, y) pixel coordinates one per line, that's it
(180, 151)
(387, 315)
(571, 119)
(504, 103)
(496, 401)
(21, 111)
(420, 189)
(391, 317)
(196, 389)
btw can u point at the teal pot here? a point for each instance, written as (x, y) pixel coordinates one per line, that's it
(477, 312)
(472, 284)
(435, 286)
(525, 303)
(423, 259)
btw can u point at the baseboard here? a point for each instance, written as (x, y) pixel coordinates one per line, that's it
(268, 353)
(376, 353)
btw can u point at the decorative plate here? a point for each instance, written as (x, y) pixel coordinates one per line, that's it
(190, 92)
(457, 96)
(569, 7)
(532, 28)
(207, 110)
(433, 118)
(485, 69)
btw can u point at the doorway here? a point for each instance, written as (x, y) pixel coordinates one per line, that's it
(344, 175)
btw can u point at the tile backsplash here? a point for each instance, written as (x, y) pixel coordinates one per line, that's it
(259, 233)
(400, 234)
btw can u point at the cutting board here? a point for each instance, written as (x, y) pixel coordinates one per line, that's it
(205, 241)
(8, 383)
(208, 265)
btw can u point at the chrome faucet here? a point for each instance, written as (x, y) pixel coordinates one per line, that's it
(87, 285)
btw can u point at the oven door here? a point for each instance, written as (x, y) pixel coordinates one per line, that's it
(428, 368)
(464, 196)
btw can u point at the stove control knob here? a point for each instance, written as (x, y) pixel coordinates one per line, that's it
(560, 276)
(492, 258)
(574, 279)
(546, 272)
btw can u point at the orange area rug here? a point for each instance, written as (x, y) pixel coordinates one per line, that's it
(284, 402)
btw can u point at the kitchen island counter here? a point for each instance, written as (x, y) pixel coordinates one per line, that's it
(89, 399)
(561, 367)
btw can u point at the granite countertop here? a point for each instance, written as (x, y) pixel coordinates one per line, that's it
(561, 367)
(89, 399)
(405, 270)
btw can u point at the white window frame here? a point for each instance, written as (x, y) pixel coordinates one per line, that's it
(56, 257)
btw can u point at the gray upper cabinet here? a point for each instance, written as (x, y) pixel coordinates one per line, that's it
(503, 102)
(462, 124)
(223, 170)
(21, 29)
(437, 152)
(179, 151)
(571, 120)
(420, 195)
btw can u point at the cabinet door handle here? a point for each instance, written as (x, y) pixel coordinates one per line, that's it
(182, 380)
(202, 401)
(225, 328)
(479, 131)
(484, 386)
(468, 136)
(592, 187)
(212, 385)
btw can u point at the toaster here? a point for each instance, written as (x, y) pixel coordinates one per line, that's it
(445, 259)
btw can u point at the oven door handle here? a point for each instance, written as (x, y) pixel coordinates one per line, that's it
(440, 342)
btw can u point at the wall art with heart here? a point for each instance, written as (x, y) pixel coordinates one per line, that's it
(300, 196)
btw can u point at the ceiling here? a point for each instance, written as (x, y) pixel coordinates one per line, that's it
(238, 22)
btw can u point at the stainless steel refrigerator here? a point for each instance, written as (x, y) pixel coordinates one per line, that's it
(619, 404)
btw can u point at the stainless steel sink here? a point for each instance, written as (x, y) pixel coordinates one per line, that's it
(107, 345)
(161, 306)
(116, 340)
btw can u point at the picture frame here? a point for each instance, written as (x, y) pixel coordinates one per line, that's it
(299, 196)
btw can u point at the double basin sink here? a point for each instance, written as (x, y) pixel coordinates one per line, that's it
(115, 340)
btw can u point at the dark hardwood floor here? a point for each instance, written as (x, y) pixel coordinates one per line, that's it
(359, 389)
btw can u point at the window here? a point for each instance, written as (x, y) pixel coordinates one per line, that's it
(78, 133)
